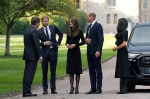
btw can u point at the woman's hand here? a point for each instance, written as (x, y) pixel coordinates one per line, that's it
(114, 49)
(72, 46)
(68, 45)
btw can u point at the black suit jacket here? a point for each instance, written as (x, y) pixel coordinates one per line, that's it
(54, 30)
(96, 36)
(31, 44)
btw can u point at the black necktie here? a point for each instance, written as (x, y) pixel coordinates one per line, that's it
(47, 33)
(89, 29)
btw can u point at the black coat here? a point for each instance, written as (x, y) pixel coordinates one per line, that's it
(54, 30)
(74, 63)
(31, 44)
(96, 36)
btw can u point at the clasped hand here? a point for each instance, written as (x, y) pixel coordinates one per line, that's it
(48, 43)
(71, 46)
(88, 41)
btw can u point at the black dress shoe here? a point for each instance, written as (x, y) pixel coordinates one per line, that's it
(45, 92)
(29, 95)
(54, 92)
(91, 91)
(98, 92)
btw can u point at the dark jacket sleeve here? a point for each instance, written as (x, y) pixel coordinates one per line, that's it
(100, 37)
(41, 43)
(82, 39)
(60, 35)
(35, 38)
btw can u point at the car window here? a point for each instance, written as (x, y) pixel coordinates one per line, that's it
(141, 36)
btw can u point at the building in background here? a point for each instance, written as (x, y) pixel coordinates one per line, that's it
(109, 11)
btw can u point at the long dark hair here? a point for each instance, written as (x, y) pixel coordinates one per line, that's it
(75, 30)
(122, 25)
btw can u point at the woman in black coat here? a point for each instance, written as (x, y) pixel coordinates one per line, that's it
(122, 65)
(74, 64)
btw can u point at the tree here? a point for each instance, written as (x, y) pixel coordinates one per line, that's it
(82, 20)
(2, 27)
(11, 10)
(20, 26)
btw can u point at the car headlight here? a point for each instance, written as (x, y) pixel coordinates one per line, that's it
(132, 55)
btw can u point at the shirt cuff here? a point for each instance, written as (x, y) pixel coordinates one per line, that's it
(41, 57)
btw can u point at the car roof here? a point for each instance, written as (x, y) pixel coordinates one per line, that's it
(142, 24)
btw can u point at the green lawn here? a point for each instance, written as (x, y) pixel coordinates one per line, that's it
(12, 67)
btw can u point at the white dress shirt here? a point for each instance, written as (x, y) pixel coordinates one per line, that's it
(48, 29)
(49, 33)
(91, 26)
(93, 23)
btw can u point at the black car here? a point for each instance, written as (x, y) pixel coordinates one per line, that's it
(139, 56)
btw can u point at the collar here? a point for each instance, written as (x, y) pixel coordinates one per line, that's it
(33, 26)
(93, 23)
(46, 27)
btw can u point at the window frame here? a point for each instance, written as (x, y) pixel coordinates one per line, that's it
(112, 4)
(115, 21)
(108, 21)
(78, 4)
(143, 5)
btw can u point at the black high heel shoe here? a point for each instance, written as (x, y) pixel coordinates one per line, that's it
(125, 92)
(71, 91)
(77, 91)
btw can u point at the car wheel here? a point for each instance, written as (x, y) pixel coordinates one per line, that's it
(130, 87)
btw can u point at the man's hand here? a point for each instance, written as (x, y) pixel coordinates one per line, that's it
(41, 60)
(72, 46)
(48, 43)
(97, 54)
(114, 49)
(88, 41)
(58, 45)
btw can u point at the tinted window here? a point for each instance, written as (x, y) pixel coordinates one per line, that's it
(141, 36)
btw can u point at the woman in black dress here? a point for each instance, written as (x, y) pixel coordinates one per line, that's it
(122, 66)
(74, 64)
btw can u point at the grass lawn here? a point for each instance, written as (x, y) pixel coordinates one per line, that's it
(12, 67)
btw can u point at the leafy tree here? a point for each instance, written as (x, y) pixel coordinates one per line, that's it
(2, 27)
(20, 26)
(61, 23)
(11, 10)
(82, 20)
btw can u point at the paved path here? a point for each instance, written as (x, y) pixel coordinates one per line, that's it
(110, 87)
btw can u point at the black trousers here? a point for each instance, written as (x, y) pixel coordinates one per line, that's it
(95, 71)
(52, 58)
(29, 72)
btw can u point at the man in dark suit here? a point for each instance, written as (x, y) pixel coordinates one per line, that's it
(31, 55)
(94, 40)
(49, 52)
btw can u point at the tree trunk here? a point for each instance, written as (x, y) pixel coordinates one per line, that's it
(9, 28)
